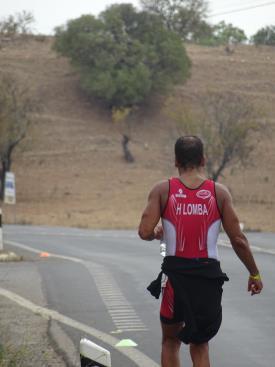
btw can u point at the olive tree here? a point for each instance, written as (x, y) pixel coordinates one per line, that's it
(185, 17)
(17, 24)
(265, 36)
(227, 123)
(15, 108)
(124, 55)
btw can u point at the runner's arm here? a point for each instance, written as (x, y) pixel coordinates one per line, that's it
(237, 238)
(148, 229)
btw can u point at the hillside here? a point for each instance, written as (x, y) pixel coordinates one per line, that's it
(70, 170)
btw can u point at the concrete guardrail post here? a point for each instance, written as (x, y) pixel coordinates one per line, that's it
(92, 355)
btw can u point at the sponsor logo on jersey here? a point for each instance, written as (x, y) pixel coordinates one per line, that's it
(203, 194)
(191, 209)
(180, 194)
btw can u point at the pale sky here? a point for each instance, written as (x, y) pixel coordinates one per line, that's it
(51, 13)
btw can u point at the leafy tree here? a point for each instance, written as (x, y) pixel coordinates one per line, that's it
(123, 56)
(185, 17)
(18, 24)
(265, 36)
(15, 107)
(224, 34)
(226, 122)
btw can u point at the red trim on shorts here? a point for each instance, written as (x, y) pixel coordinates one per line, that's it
(167, 304)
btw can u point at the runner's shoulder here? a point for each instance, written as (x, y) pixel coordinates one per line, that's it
(222, 191)
(161, 187)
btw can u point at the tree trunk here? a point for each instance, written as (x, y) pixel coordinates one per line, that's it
(127, 154)
(6, 165)
(2, 178)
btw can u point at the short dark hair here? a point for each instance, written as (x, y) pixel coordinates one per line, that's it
(189, 151)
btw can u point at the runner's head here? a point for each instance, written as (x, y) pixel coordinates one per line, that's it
(189, 152)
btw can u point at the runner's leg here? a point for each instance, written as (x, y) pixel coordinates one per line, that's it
(200, 355)
(170, 345)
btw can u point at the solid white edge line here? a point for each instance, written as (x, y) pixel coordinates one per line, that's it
(134, 354)
(227, 244)
(31, 249)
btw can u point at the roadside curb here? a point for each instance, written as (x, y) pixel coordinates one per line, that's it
(9, 256)
(62, 344)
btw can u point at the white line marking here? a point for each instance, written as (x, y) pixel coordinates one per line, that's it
(134, 329)
(133, 354)
(124, 310)
(129, 323)
(125, 318)
(227, 244)
(84, 235)
(102, 277)
(31, 249)
(112, 296)
(117, 304)
(224, 243)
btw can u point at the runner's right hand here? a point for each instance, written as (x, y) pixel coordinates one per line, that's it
(158, 231)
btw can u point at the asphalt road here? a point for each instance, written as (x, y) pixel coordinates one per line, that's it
(106, 290)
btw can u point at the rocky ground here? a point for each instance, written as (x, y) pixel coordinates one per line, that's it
(27, 339)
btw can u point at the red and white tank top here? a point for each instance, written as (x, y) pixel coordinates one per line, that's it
(191, 220)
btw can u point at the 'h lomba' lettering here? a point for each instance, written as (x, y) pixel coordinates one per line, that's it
(191, 209)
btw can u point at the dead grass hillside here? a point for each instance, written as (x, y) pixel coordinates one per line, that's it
(70, 169)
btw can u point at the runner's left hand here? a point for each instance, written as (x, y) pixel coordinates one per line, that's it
(254, 286)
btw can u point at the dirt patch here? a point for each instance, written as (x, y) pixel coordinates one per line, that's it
(70, 170)
(24, 337)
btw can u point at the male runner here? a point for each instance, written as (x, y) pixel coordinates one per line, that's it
(192, 208)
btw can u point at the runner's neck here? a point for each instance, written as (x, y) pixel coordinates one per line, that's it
(192, 178)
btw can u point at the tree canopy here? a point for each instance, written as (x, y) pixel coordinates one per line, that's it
(227, 123)
(225, 33)
(17, 24)
(185, 17)
(123, 55)
(265, 36)
(15, 108)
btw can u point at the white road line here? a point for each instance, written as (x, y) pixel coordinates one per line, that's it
(125, 318)
(133, 354)
(223, 243)
(84, 235)
(226, 243)
(118, 304)
(31, 249)
(128, 323)
(102, 278)
(135, 329)
(112, 297)
(124, 312)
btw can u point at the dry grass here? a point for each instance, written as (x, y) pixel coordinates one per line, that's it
(70, 170)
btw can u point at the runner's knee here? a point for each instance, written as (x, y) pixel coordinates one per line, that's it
(199, 348)
(171, 342)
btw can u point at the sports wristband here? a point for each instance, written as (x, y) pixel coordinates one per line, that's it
(255, 277)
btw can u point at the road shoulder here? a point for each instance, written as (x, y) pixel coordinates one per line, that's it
(28, 339)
